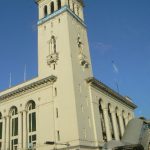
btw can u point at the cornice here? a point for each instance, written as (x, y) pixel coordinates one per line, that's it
(29, 88)
(93, 81)
(60, 11)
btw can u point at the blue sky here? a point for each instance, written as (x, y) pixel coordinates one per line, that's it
(118, 31)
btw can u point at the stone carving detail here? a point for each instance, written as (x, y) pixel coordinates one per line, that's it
(82, 58)
(52, 58)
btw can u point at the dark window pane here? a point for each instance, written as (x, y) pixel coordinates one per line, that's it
(12, 127)
(30, 139)
(16, 127)
(33, 137)
(34, 121)
(15, 141)
(52, 7)
(59, 4)
(1, 130)
(30, 123)
(12, 145)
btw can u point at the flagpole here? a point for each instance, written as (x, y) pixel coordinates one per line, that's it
(25, 72)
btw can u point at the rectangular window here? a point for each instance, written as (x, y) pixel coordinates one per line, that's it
(1, 130)
(57, 115)
(55, 91)
(58, 136)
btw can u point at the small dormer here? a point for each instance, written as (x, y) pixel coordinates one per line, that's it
(49, 7)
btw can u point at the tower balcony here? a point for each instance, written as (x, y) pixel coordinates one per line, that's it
(52, 58)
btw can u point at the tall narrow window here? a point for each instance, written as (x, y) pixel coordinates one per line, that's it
(119, 129)
(14, 128)
(59, 4)
(1, 129)
(52, 7)
(102, 121)
(73, 7)
(124, 123)
(69, 3)
(55, 91)
(110, 121)
(58, 135)
(31, 107)
(45, 11)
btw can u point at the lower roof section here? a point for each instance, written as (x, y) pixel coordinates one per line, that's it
(101, 86)
(24, 88)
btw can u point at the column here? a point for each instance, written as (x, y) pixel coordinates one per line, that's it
(24, 129)
(121, 124)
(20, 130)
(7, 132)
(4, 133)
(107, 126)
(115, 125)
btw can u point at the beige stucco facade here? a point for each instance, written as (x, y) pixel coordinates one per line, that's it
(65, 103)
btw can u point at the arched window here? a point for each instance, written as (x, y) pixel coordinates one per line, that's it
(14, 127)
(102, 121)
(1, 126)
(73, 7)
(45, 11)
(119, 129)
(59, 4)
(52, 7)
(31, 117)
(123, 117)
(69, 3)
(110, 120)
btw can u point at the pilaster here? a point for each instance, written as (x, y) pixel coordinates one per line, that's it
(24, 114)
(7, 132)
(108, 131)
(4, 133)
(115, 125)
(121, 123)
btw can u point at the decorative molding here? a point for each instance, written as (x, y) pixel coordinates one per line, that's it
(83, 60)
(28, 88)
(52, 58)
(57, 12)
(93, 81)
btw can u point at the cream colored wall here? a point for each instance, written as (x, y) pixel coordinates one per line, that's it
(97, 95)
(77, 103)
(71, 76)
(44, 105)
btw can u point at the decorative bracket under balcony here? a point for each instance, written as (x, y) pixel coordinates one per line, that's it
(83, 60)
(52, 58)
